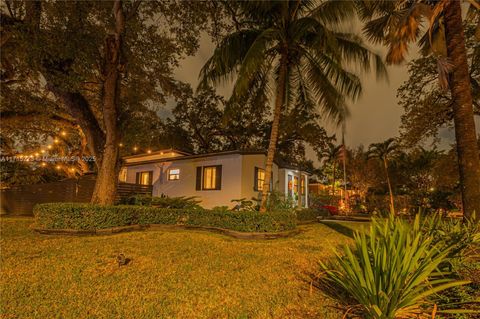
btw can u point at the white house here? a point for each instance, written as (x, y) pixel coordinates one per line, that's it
(214, 178)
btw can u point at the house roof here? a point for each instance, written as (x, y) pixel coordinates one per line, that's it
(175, 155)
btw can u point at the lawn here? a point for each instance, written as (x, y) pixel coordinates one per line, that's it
(172, 274)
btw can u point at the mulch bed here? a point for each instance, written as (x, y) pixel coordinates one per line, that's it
(158, 227)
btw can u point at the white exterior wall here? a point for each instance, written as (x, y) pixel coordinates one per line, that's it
(185, 186)
(249, 162)
(237, 178)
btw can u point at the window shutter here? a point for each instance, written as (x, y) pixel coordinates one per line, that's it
(218, 175)
(198, 182)
(137, 178)
(150, 178)
(255, 179)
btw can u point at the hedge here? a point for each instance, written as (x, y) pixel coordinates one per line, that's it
(311, 214)
(91, 217)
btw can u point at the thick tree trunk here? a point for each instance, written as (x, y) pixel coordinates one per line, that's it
(279, 100)
(460, 87)
(390, 192)
(107, 177)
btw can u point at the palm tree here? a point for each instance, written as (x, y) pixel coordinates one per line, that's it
(293, 50)
(398, 23)
(330, 155)
(384, 151)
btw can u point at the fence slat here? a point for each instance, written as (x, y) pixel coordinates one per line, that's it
(20, 200)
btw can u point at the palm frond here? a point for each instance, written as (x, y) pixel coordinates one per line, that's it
(354, 51)
(334, 12)
(255, 57)
(227, 57)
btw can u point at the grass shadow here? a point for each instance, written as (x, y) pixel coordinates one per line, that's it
(344, 230)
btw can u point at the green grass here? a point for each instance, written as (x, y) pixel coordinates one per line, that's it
(172, 274)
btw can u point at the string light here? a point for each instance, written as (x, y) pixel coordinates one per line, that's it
(135, 148)
(36, 154)
(49, 147)
(56, 140)
(43, 164)
(149, 151)
(63, 133)
(58, 167)
(42, 151)
(120, 145)
(71, 169)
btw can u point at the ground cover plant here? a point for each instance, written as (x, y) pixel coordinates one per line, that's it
(399, 269)
(172, 274)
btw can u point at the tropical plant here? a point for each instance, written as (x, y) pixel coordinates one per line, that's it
(330, 156)
(384, 151)
(398, 23)
(391, 272)
(298, 46)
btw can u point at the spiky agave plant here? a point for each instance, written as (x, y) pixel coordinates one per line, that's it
(393, 272)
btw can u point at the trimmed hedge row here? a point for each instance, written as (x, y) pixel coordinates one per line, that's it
(91, 217)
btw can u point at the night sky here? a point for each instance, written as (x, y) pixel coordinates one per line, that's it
(375, 116)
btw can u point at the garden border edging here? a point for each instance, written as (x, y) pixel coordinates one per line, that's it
(131, 228)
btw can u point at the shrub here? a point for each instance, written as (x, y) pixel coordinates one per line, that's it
(391, 273)
(277, 201)
(90, 217)
(163, 201)
(310, 214)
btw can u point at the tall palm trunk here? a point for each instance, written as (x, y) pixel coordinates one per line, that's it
(460, 87)
(279, 99)
(333, 179)
(107, 177)
(390, 192)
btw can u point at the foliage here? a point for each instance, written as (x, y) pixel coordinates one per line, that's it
(89, 216)
(391, 272)
(310, 214)
(163, 201)
(427, 108)
(278, 201)
(316, 201)
(243, 204)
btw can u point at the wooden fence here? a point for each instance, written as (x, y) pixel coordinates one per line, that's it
(21, 199)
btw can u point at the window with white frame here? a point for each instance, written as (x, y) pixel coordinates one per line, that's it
(173, 174)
